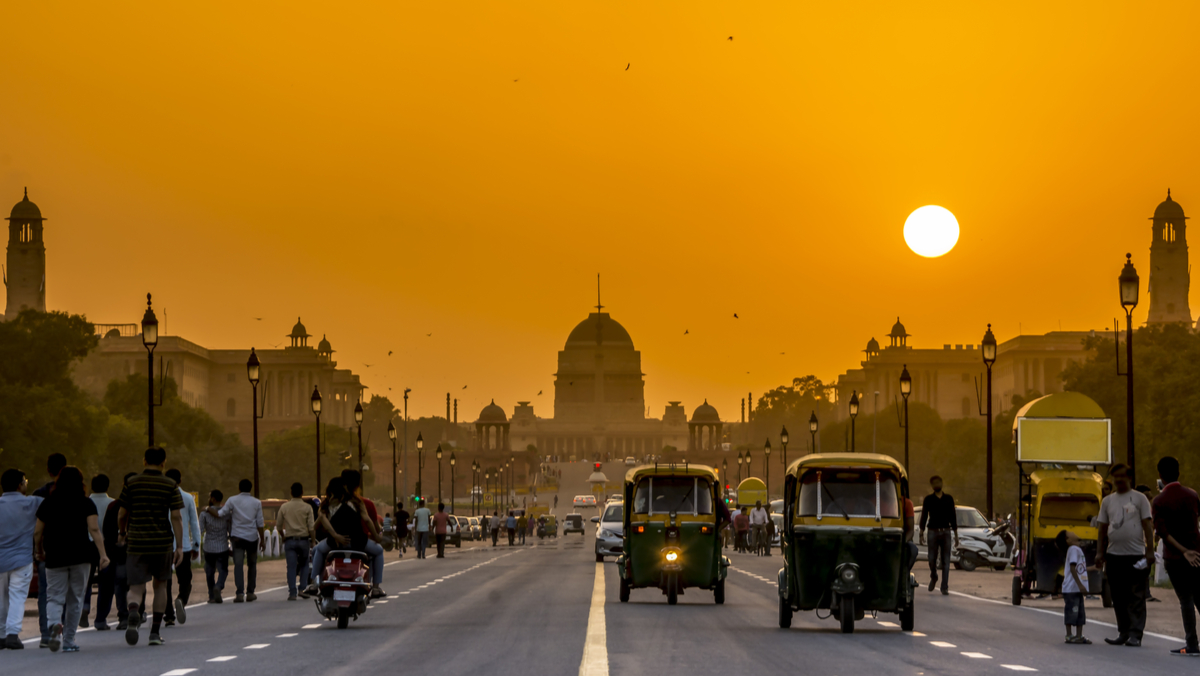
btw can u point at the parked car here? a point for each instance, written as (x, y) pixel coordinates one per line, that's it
(573, 523)
(630, 461)
(585, 501)
(610, 530)
(476, 528)
(464, 529)
(616, 497)
(453, 532)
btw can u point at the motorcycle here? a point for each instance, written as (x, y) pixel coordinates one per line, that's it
(344, 587)
(995, 548)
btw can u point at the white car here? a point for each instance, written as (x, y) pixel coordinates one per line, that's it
(630, 461)
(610, 529)
(585, 501)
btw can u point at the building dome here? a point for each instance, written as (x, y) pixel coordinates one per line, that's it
(898, 329)
(25, 210)
(1168, 210)
(873, 345)
(492, 413)
(705, 413)
(324, 345)
(599, 329)
(298, 331)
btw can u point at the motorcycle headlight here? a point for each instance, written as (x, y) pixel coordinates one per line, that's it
(849, 575)
(672, 557)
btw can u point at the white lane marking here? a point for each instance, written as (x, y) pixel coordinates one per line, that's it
(595, 647)
(178, 672)
(1017, 667)
(402, 593)
(381, 602)
(223, 658)
(1058, 613)
(286, 635)
(917, 633)
(977, 656)
(311, 626)
(256, 646)
(942, 644)
(886, 624)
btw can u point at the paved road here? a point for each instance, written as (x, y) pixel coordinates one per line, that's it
(538, 610)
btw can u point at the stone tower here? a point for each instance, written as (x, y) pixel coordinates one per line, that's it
(1170, 278)
(25, 274)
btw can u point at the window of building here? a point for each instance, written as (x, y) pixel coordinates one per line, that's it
(26, 234)
(231, 408)
(1169, 232)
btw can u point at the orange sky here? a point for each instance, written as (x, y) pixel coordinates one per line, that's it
(377, 171)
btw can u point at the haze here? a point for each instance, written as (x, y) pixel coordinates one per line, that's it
(389, 172)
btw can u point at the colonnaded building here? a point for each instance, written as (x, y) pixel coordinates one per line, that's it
(599, 406)
(211, 379)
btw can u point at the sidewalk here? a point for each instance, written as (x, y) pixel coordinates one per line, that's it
(1161, 618)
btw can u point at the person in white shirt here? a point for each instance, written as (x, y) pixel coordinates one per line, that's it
(758, 526)
(1074, 586)
(100, 497)
(1126, 548)
(191, 552)
(246, 534)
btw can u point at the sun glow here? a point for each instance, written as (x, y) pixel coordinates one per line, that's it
(931, 231)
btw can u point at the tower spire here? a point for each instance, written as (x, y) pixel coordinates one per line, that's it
(599, 306)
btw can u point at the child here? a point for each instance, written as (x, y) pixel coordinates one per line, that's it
(1074, 585)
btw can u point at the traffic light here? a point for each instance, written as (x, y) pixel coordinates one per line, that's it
(597, 467)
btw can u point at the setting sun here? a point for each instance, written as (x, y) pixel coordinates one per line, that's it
(931, 231)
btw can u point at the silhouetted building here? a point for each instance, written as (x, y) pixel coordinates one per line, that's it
(25, 273)
(1170, 275)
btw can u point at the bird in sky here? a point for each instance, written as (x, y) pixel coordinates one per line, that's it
(389, 353)
(731, 38)
(539, 393)
(571, 383)
(627, 66)
(783, 353)
(367, 365)
(428, 335)
(735, 316)
(276, 345)
(464, 387)
(258, 319)
(685, 332)
(517, 80)
(747, 373)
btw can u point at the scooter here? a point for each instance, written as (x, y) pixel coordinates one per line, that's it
(995, 548)
(344, 587)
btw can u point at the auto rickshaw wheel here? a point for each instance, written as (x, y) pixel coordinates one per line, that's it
(1016, 591)
(846, 614)
(624, 591)
(672, 590)
(785, 614)
(719, 592)
(907, 621)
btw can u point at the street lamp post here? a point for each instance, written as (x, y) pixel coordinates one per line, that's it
(988, 347)
(487, 488)
(853, 415)
(420, 464)
(150, 340)
(316, 409)
(392, 436)
(1129, 299)
(783, 441)
(739, 467)
(438, 453)
(812, 429)
(767, 464)
(724, 474)
(452, 461)
(512, 480)
(404, 448)
(501, 482)
(905, 390)
(252, 372)
(358, 418)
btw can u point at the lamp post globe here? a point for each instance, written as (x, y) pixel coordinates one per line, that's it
(783, 441)
(1129, 284)
(391, 431)
(253, 367)
(149, 326)
(358, 413)
(812, 430)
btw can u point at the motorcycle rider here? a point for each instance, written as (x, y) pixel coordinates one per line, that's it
(345, 518)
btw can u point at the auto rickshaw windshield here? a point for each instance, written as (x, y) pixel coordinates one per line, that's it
(849, 493)
(673, 494)
(1068, 509)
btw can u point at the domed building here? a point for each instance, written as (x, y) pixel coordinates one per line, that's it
(599, 403)
(1170, 275)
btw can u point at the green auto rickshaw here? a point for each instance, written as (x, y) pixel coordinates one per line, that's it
(671, 525)
(844, 544)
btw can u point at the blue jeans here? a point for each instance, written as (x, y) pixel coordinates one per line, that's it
(216, 570)
(246, 550)
(422, 543)
(296, 551)
(43, 625)
(113, 583)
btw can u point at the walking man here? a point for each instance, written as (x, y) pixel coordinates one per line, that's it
(939, 514)
(439, 529)
(99, 497)
(494, 524)
(299, 532)
(511, 524)
(1176, 510)
(114, 581)
(216, 548)
(422, 516)
(402, 518)
(18, 520)
(191, 552)
(522, 523)
(1125, 551)
(758, 524)
(149, 521)
(55, 463)
(246, 533)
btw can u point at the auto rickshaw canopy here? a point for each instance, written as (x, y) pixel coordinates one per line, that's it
(847, 460)
(670, 469)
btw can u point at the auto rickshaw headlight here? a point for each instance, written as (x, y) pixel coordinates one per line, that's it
(672, 556)
(849, 575)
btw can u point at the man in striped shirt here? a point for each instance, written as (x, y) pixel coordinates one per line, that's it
(149, 535)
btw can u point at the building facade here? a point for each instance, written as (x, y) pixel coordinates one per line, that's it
(1170, 274)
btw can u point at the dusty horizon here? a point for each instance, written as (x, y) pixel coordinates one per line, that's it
(368, 172)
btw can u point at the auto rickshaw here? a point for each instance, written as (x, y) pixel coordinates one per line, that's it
(547, 526)
(1056, 500)
(844, 548)
(671, 523)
